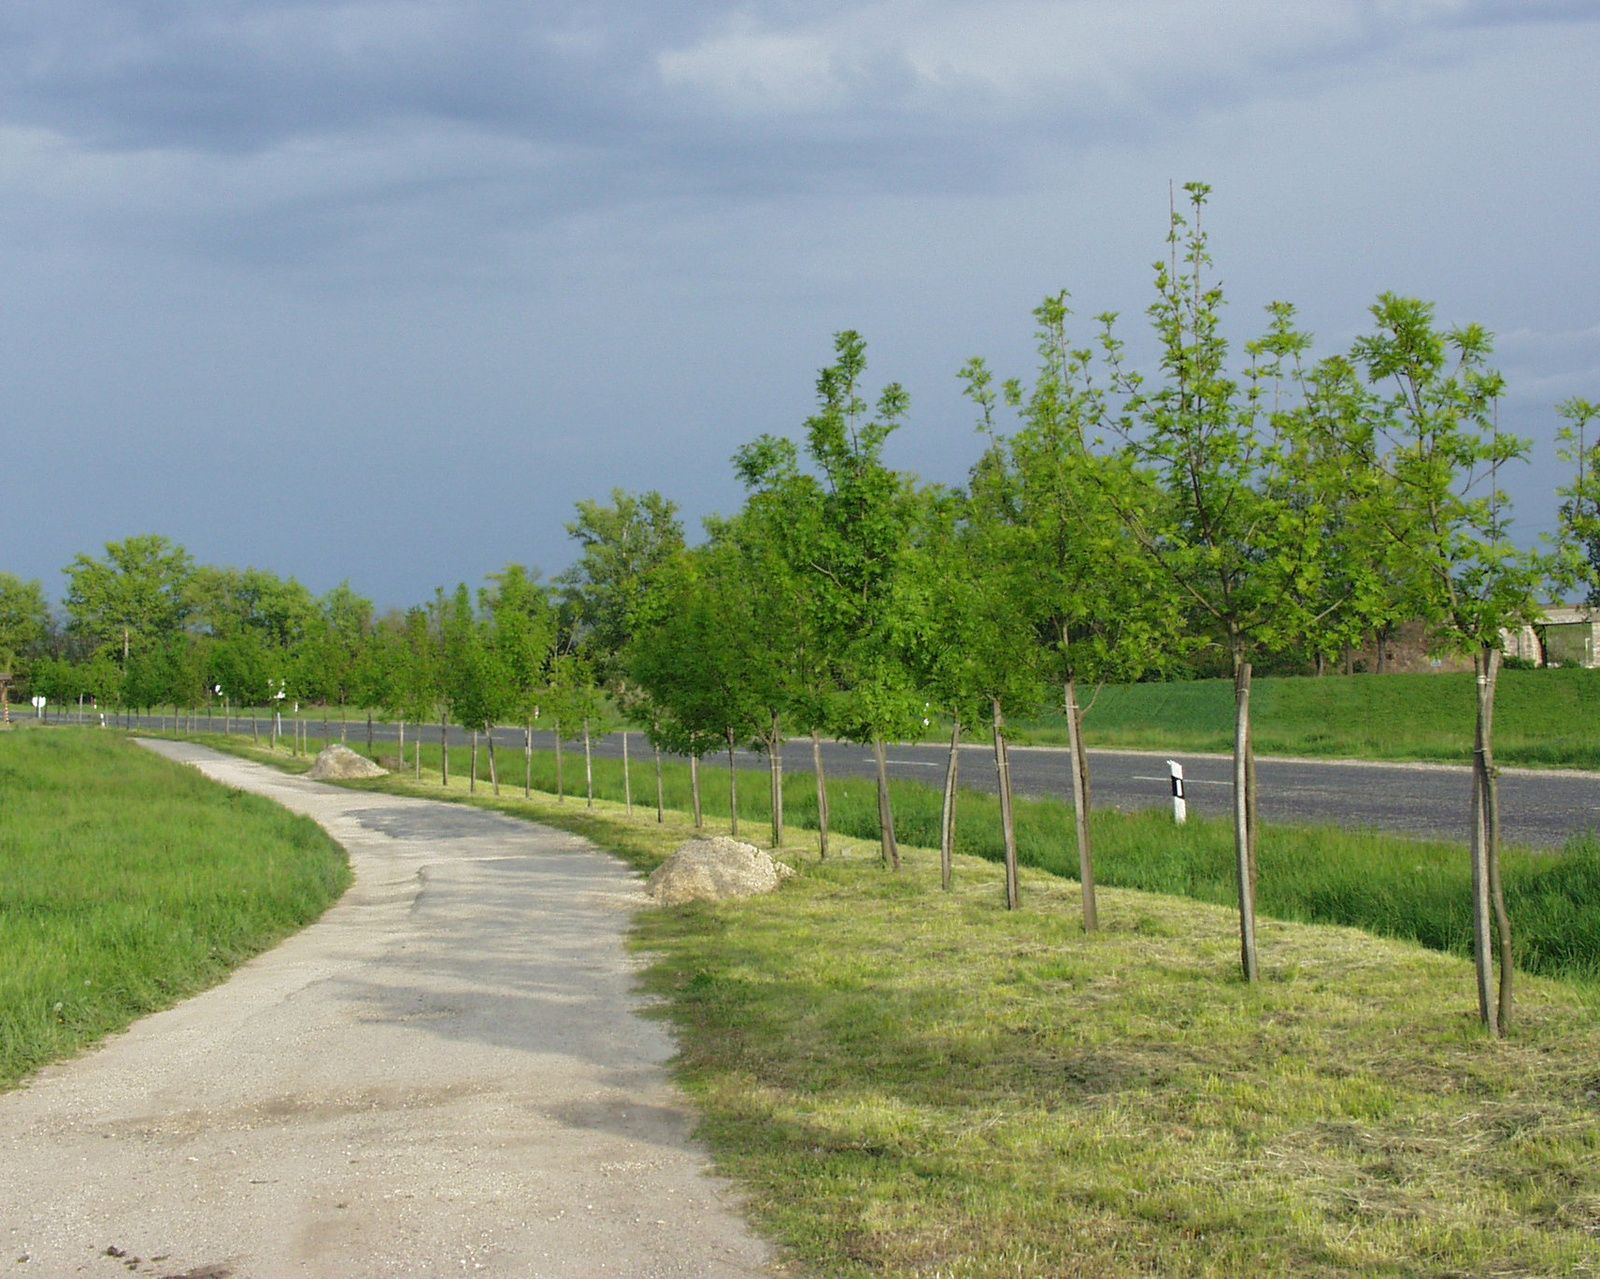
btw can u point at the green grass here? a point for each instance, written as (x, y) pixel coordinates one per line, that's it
(128, 882)
(909, 1083)
(905, 1082)
(1543, 718)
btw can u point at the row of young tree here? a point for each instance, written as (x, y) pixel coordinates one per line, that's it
(1124, 523)
(1119, 524)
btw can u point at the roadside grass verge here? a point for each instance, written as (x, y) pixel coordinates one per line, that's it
(1543, 718)
(128, 883)
(1389, 885)
(914, 1083)
(906, 1082)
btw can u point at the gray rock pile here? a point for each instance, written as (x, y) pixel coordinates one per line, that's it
(338, 763)
(713, 870)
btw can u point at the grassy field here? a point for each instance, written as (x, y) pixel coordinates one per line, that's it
(1543, 718)
(906, 1082)
(128, 882)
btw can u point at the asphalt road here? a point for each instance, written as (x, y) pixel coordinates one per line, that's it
(1539, 809)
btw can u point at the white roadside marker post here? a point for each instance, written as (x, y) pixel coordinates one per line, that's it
(1180, 806)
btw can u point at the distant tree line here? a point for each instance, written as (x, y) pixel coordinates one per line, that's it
(1219, 510)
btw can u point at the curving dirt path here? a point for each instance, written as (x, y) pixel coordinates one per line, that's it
(446, 1075)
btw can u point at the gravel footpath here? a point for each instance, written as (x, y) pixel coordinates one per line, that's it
(446, 1075)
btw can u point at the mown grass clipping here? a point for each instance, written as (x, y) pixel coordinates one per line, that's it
(128, 882)
(911, 1083)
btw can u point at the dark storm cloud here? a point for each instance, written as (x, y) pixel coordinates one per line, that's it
(702, 90)
(243, 76)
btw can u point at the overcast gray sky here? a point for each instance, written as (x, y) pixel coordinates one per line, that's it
(379, 290)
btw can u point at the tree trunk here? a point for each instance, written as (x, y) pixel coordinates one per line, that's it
(494, 771)
(661, 794)
(402, 743)
(561, 787)
(733, 790)
(947, 816)
(627, 776)
(472, 781)
(369, 732)
(444, 751)
(1079, 763)
(1008, 827)
(588, 768)
(694, 789)
(822, 794)
(889, 845)
(344, 722)
(1489, 913)
(1244, 820)
(527, 761)
(775, 778)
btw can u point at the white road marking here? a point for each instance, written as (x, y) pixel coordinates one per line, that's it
(1187, 781)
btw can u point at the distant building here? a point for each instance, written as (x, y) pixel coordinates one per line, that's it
(1563, 637)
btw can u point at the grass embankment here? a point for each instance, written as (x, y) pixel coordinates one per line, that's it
(912, 1083)
(1544, 718)
(128, 882)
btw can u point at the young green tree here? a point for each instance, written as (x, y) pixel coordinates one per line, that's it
(1432, 433)
(864, 528)
(781, 530)
(692, 656)
(330, 657)
(1087, 593)
(523, 635)
(1203, 492)
(771, 634)
(570, 698)
(416, 690)
(474, 679)
(965, 633)
(623, 543)
(1578, 541)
